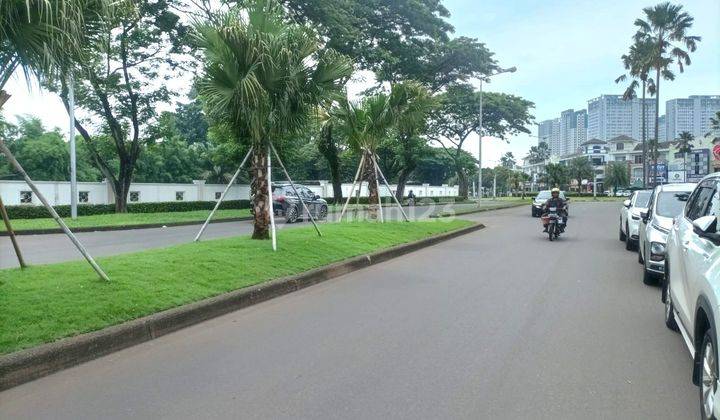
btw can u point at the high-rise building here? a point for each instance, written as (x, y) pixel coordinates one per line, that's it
(544, 131)
(662, 129)
(690, 114)
(555, 143)
(610, 116)
(573, 131)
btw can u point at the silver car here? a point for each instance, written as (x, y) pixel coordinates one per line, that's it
(630, 217)
(666, 202)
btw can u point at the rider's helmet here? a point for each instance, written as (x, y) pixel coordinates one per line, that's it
(555, 192)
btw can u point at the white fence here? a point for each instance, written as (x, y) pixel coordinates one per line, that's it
(58, 193)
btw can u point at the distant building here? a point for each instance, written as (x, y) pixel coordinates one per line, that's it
(690, 114)
(609, 116)
(545, 131)
(662, 128)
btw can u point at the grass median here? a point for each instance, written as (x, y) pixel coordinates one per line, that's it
(125, 219)
(44, 303)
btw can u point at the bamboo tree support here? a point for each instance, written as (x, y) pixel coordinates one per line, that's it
(270, 201)
(377, 185)
(222, 196)
(11, 158)
(11, 234)
(292, 185)
(388, 187)
(352, 189)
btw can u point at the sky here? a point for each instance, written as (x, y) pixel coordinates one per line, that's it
(566, 52)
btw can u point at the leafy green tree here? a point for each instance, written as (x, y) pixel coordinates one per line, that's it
(580, 168)
(456, 118)
(556, 175)
(121, 85)
(262, 78)
(617, 175)
(508, 160)
(665, 28)
(539, 153)
(714, 125)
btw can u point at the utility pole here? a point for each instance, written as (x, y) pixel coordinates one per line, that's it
(480, 125)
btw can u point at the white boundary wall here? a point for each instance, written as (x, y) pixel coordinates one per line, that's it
(58, 192)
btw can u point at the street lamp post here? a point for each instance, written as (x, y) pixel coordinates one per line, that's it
(480, 125)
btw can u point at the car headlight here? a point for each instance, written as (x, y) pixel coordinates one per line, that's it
(657, 251)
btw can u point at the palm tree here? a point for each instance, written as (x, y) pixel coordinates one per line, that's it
(665, 27)
(685, 146)
(262, 78)
(39, 37)
(617, 175)
(410, 104)
(638, 63)
(714, 125)
(365, 125)
(507, 160)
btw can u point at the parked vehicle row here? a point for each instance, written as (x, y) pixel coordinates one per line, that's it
(679, 246)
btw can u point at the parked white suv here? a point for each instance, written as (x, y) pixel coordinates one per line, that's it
(666, 202)
(691, 291)
(630, 217)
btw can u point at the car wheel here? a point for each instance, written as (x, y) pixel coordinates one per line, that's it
(669, 309)
(648, 277)
(629, 243)
(622, 237)
(708, 375)
(322, 215)
(291, 215)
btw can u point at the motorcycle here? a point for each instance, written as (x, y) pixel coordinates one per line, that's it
(555, 223)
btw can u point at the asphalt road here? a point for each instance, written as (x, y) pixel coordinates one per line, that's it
(45, 249)
(497, 324)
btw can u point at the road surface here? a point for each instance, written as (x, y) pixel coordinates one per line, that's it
(496, 324)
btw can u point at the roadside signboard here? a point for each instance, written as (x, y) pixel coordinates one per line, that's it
(676, 176)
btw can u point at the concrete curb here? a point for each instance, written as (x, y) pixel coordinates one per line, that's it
(462, 213)
(124, 227)
(27, 365)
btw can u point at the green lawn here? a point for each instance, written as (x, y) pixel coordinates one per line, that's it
(126, 219)
(44, 303)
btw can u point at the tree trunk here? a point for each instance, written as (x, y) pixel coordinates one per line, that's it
(329, 150)
(462, 183)
(259, 188)
(122, 185)
(403, 176)
(373, 193)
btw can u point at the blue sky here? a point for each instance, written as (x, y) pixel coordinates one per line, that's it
(568, 51)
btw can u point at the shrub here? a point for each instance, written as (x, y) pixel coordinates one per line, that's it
(39, 212)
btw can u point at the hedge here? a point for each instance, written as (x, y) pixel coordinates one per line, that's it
(387, 199)
(39, 212)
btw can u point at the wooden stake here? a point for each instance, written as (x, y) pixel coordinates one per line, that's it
(287, 175)
(11, 233)
(357, 174)
(270, 201)
(11, 158)
(222, 196)
(377, 185)
(388, 186)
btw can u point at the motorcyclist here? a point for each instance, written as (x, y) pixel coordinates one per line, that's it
(555, 201)
(411, 198)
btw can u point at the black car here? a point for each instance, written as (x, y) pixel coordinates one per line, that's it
(540, 199)
(286, 203)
